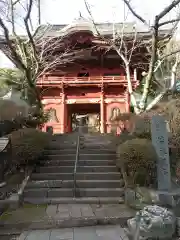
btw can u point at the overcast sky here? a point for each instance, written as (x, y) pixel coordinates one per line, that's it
(65, 11)
(58, 11)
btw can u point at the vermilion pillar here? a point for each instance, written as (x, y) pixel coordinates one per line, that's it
(63, 113)
(102, 113)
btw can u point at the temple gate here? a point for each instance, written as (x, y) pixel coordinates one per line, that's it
(90, 78)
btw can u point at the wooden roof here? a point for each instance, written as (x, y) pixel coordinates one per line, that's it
(105, 29)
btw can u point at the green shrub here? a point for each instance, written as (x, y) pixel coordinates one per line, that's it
(28, 145)
(123, 137)
(142, 127)
(137, 160)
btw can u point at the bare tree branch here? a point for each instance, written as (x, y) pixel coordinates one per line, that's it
(10, 45)
(169, 54)
(92, 19)
(23, 53)
(155, 45)
(26, 19)
(39, 12)
(122, 51)
(134, 13)
(167, 9)
(155, 41)
(168, 22)
(17, 1)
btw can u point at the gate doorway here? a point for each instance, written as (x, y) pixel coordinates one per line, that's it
(90, 113)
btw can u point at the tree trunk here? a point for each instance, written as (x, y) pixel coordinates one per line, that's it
(152, 63)
(173, 74)
(132, 98)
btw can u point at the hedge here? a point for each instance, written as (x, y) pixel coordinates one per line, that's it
(27, 146)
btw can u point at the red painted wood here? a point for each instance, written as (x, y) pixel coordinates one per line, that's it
(76, 80)
(80, 88)
(63, 114)
(109, 108)
(116, 89)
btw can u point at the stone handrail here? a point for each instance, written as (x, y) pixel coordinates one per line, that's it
(76, 162)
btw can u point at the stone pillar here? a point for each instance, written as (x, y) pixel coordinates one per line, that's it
(63, 113)
(102, 114)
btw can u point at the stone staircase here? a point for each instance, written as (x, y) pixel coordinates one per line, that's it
(97, 178)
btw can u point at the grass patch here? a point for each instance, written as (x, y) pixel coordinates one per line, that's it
(6, 215)
(28, 205)
(16, 178)
(26, 213)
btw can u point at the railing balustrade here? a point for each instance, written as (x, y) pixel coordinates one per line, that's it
(92, 79)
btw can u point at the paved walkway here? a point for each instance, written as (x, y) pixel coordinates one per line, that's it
(84, 233)
(32, 217)
(32, 213)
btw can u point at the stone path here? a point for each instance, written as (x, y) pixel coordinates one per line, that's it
(84, 233)
(63, 215)
(86, 210)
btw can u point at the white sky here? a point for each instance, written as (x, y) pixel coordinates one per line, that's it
(65, 11)
(58, 11)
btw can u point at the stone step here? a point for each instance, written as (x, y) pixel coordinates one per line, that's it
(70, 169)
(60, 141)
(96, 146)
(79, 184)
(56, 149)
(79, 176)
(97, 139)
(68, 192)
(90, 138)
(60, 150)
(69, 200)
(65, 139)
(80, 163)
(94, 141)
(81, 156)
(63, 145)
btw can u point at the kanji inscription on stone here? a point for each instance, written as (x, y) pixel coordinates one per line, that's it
(160, 141)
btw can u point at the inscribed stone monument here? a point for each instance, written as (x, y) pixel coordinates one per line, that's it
(160, 142)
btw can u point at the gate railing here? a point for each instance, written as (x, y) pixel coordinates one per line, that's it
(76, 161)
